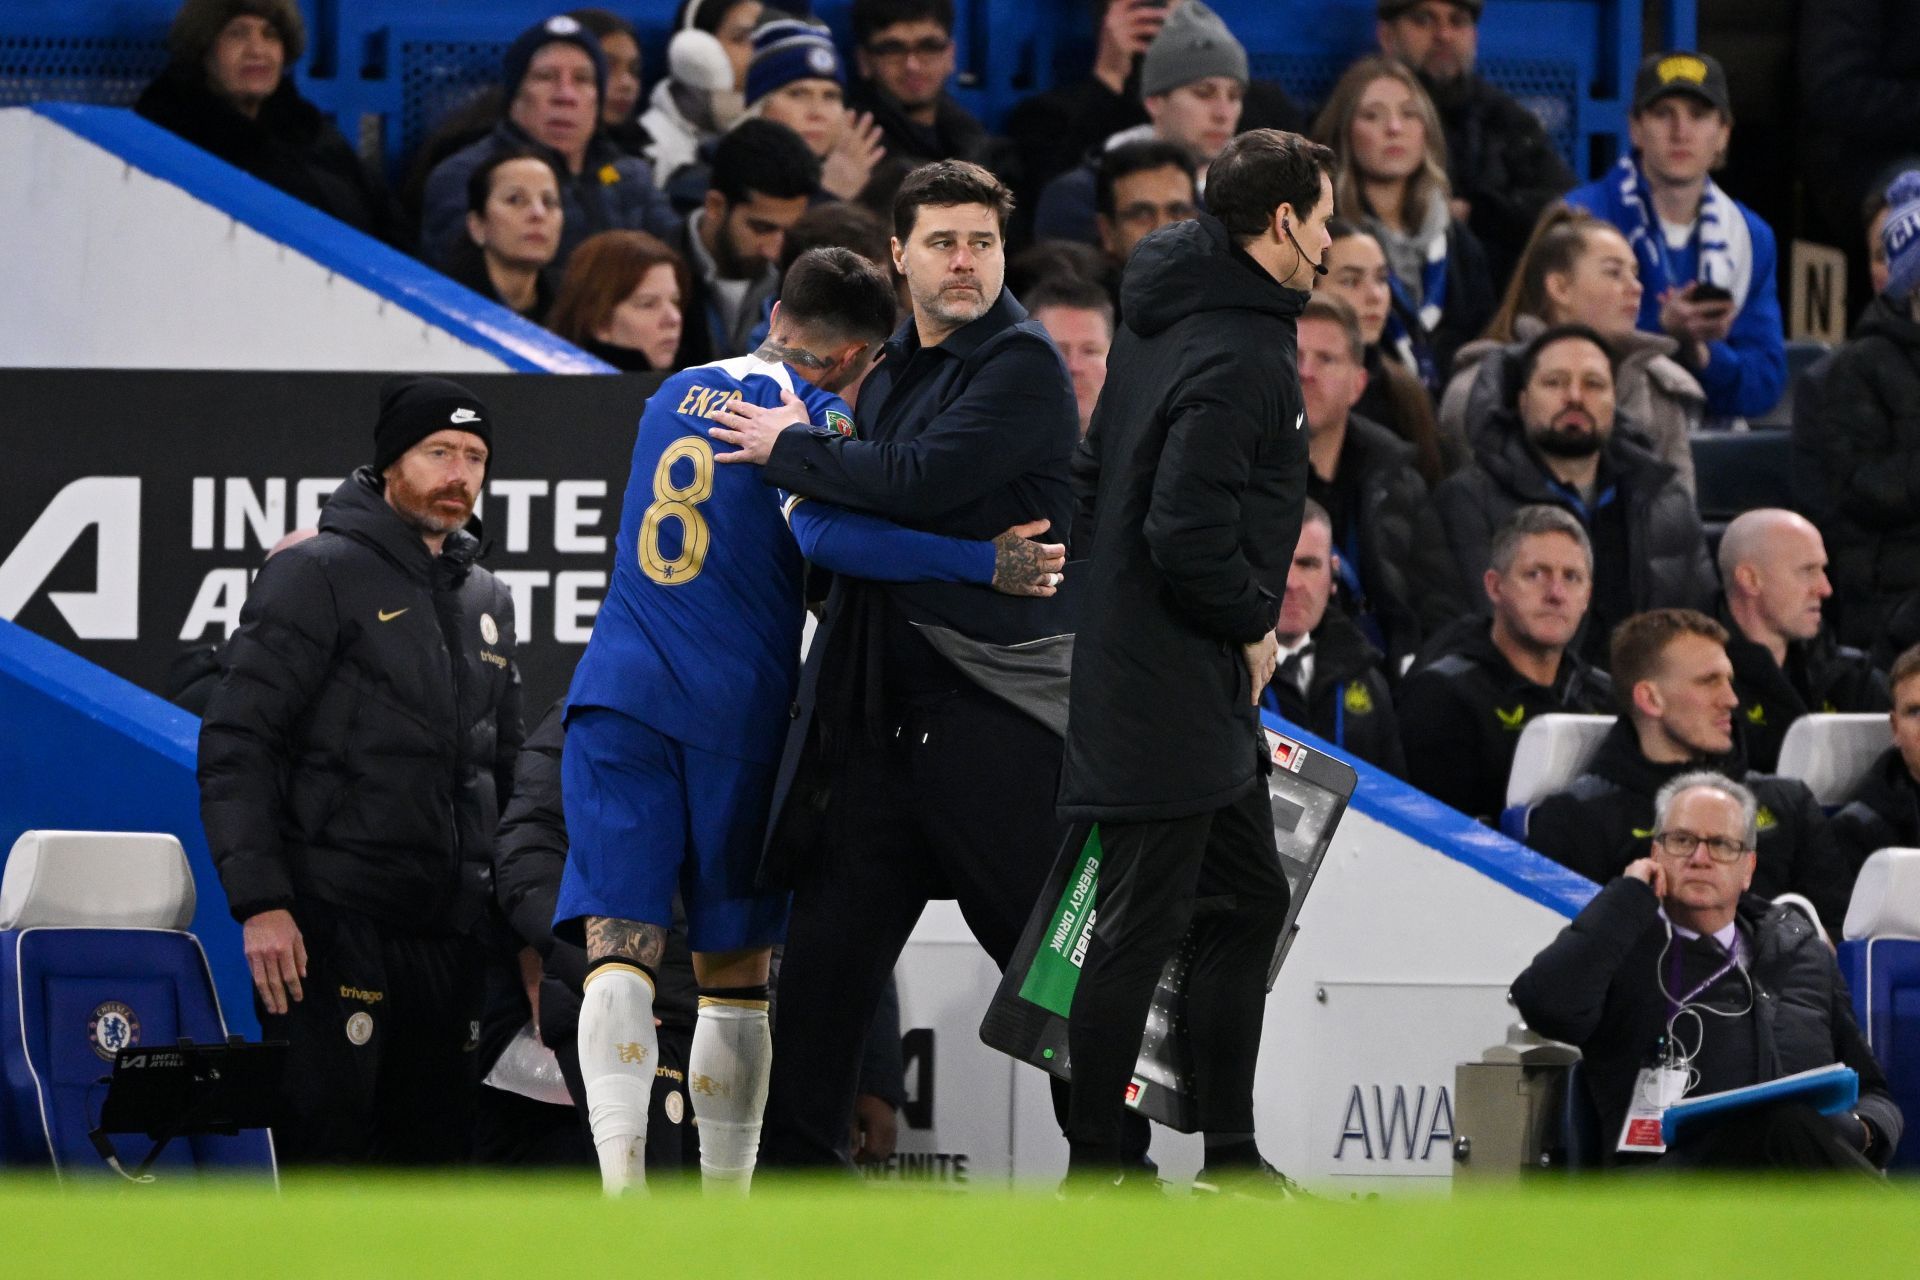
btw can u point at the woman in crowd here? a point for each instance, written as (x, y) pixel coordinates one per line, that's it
(795, 78)
(227, 90)
(1391, 178)
(514, 221)
(700, 97)
(1578, 269)
(620, 103)
(1357, 271)
(621, 299)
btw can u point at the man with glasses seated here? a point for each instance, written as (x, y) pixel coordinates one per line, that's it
(903, 50)
(1675, 982)
(1674, 684)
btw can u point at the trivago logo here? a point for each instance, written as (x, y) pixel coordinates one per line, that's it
(111, 611)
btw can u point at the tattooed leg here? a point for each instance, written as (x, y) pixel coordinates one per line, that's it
(619, 1047)
(611, 939)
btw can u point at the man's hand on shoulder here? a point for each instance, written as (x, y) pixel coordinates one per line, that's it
(277, 954)
(752, 428)
(1023, 567)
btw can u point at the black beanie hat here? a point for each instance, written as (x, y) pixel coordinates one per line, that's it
(559, 29)
(413, 408)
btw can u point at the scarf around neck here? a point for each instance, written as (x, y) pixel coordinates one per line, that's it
(1720, 233)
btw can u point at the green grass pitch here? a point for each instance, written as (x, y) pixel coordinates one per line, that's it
(486, 1225)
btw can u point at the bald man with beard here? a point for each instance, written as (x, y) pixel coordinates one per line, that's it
(1773, 571)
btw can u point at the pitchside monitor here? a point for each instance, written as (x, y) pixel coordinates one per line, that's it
(1308, 791)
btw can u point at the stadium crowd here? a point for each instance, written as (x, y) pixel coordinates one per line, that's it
(1503, 374)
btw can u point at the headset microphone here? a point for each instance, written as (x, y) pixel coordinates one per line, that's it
(1286, 227)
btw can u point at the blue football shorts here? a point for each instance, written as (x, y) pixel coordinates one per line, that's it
(647, 815)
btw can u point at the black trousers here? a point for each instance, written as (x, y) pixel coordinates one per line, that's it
(957, 802)
(1220, 873)
(382, 1064)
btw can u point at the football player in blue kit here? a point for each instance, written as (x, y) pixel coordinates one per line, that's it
(678, 709)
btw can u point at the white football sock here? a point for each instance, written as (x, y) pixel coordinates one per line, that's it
(619, 1052)
(727, 1073)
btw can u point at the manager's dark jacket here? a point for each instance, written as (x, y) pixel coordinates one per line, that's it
(1596, 986)
(359, 744)
(1190, 486)
(966, 439)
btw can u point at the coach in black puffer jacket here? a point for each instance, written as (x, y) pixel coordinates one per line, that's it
(1649, 549)
(1869, 422)
(359, 744)
(1597, 986)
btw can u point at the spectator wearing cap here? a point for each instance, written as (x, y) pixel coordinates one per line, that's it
(1392, 179)
(1557, 444)
(1707, 262)
(701, 96)
(228, 89)
(903, 52)
(555, 76)
(514, 221)
(1868, 431)
(1193, 78)
(795, 79)
(1503, 167)
(353, 762)
(1054, 131)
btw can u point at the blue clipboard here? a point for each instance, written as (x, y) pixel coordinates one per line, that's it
(1826, 1089)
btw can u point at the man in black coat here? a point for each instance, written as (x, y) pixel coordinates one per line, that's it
(1674, 684)
(352, 764)
(1471, 692)
(1503, 167)
(1785, 662)
(1396, 577)
(1885, 812)
(1559, 446)
(926, 739)
(1190, 487)
(1329, 680)
(1675, 963)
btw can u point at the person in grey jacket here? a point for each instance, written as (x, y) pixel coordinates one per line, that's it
(1559, 446)
(554, 75)
(1577, 269)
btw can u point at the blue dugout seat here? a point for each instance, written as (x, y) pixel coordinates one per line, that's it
(95, 957)
(1881, 961)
